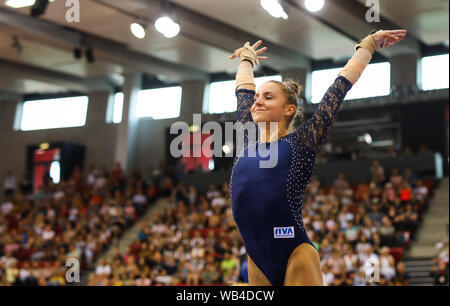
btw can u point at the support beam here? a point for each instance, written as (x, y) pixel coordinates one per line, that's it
(191, 101)
(348, 17)
(111, 50)
(226, 37)
(23, 71)
(6, 95)
(405, 70)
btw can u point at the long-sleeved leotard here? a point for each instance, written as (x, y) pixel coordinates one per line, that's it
(267, 202)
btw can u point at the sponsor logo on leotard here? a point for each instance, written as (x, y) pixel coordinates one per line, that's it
(283, 232)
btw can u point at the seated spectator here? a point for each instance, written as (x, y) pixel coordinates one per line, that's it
(402, 277)
(227, 265)
(396, 178)
(440, 273)
(420, 191)
(212, 192)
(195, 266)
(387, 232)
(377, 172)
(103, 268)
(387, 264)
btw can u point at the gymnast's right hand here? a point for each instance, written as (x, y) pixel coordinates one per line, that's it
(250, 53)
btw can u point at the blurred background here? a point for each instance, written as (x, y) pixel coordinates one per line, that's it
(89, 90)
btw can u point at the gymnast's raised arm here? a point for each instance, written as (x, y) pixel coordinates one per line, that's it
(315, 130)
(245, 83)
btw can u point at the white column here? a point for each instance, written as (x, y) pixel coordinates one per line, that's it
(126, 133)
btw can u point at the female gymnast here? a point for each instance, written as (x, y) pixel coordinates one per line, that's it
(267, 202)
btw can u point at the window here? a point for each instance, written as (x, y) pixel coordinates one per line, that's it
(375, 81)
(114, 110)
(222, 98)
(435, 72)
(160, 103)
(118, 108)
(54, 113)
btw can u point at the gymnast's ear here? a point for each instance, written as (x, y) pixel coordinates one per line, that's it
(291, 109)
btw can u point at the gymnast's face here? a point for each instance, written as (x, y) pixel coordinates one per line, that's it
(270, 104)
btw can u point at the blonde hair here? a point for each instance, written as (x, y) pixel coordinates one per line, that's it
(292, 90)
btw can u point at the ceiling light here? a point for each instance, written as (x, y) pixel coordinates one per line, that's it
(19, 3)
(167, 27)
(274, 8)
(211, 165)
(314, 5)
(367, 138)
(138, 30)
(226, 149)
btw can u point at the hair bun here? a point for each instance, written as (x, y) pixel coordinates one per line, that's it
(294, 86)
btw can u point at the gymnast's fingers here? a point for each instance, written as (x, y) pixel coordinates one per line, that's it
(262, 50)
(257, 44)
(398, 32)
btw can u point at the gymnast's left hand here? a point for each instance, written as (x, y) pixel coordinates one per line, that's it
(388, 38)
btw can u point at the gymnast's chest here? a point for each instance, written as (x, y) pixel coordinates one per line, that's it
(256, 169)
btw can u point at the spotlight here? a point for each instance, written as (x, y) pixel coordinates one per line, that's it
(226, 149)
(39, 8)
(77, 53)
(367, 138)
(167, 27)
(138, 30)
(19, 3)
(89, 55)
(274, 8)
(314, 5)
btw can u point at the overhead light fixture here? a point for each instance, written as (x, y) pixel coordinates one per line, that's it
(89, 53)
(138, 30)
(314, 5)
(167, 27)
(194, 128)
(367, 138)
(211, 165)
(274, 8)
(226, 149)
(77, 53)
(17, 45)
(39, 8)
(117, 78)
(21, 3)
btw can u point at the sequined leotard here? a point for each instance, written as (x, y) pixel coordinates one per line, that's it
(267, 202)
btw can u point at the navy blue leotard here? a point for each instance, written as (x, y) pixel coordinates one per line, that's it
(267, 202)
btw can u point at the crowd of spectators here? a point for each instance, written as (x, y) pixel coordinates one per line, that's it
(193, 242)
(77, 218)
(356, 225)
(196, 242)
(439, 271)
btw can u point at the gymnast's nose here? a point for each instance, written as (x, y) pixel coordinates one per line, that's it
(258, 101)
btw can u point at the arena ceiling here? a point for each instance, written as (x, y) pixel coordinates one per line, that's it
(210, 31)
